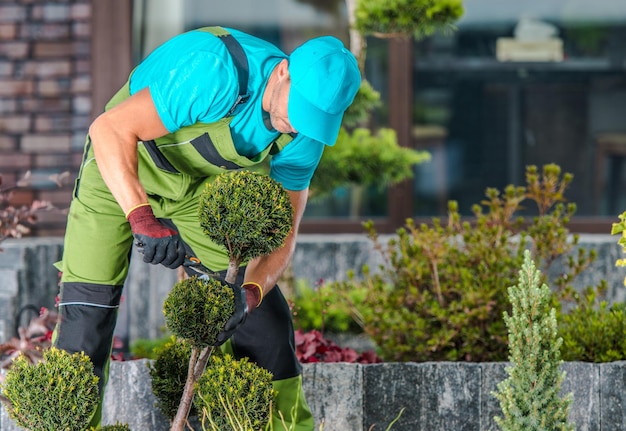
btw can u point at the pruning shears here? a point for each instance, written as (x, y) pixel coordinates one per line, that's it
(194, 264)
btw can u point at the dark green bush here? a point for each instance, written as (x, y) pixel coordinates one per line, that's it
(168, 372)
(196, 310)
(233, 391)
(58, 393)
(322, 308)
(594, 331)
(442, 291)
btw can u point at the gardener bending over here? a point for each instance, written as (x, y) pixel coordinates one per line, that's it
(205, 101)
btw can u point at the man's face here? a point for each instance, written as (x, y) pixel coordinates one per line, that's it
(280, 100)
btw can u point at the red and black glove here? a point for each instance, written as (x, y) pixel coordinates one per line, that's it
(247, 298)
(158, 243)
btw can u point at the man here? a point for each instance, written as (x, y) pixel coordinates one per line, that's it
(205, 101)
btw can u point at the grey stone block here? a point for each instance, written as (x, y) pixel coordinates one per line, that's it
(613, 396)
(450, 396)
(492, 373)
(334, 393)
(582, 380)
(389, 388)
(129, 399)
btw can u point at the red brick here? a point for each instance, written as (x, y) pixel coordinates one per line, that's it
(15, 50)
(52, 124)
(12, 13)
(46, 104)
(81, 84)
(82, 104)
(14, 123)
(48, 68)
(81, 11)
(6, 68)
(51, 12)
(8, 106)
(13, 161)
(81, 29)
(45, 143)
(8, 143)
(8, 31)
(57, 161)
(44, 31)
(15, 87)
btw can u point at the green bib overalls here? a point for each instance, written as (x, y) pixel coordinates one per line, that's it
(173, 170)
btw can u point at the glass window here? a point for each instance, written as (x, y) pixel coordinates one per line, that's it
(522, 83)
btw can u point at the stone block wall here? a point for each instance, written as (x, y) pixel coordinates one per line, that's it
(45, 98)
(429, 396)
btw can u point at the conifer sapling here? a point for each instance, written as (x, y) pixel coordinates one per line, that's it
(530, 396)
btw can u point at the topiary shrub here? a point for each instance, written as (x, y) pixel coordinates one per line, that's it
(196, 310)
(442, 288)
(168, 374)
(250, 215)
(234, 394)
(58, 393)
(530, 398)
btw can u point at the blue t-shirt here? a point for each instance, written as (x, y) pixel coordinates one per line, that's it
(192, 79)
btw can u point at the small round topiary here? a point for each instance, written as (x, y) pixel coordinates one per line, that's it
(58, 393)
(249, 213)
(233, 391)
(196, 310)
(169, 372)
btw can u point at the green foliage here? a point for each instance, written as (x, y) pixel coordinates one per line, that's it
(196, 310)
(323, 308)
(418, 18)
(234, 394)
(366, 100)
(58, 393)
(442, 288)
(364, 159)
(594, 331)
(169, 372)
(148, 348)
(529, 397)
(620, 229)
(249, 213)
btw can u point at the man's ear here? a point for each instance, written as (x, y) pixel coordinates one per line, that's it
(283, 67)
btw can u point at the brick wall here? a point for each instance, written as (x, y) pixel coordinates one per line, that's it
(45, 98)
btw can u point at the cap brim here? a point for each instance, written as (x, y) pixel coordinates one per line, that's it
(311, 121)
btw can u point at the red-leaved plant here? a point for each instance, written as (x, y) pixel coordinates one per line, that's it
(311, 346)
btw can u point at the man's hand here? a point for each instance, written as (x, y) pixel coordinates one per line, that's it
(247, 298)
(158, 243)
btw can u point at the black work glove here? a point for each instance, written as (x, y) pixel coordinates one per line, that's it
(158, 243)
(247, 298)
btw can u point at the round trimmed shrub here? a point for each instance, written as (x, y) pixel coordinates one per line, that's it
(168, 373)
(249, 213)
(58, 393)
(197, 308)
(234, 391)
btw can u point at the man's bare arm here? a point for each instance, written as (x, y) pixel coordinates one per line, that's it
(114, 135)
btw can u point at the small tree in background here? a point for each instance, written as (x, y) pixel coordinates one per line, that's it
(530, 398)
(250, 215)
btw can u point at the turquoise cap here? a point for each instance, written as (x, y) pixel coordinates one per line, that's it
(325, 77)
